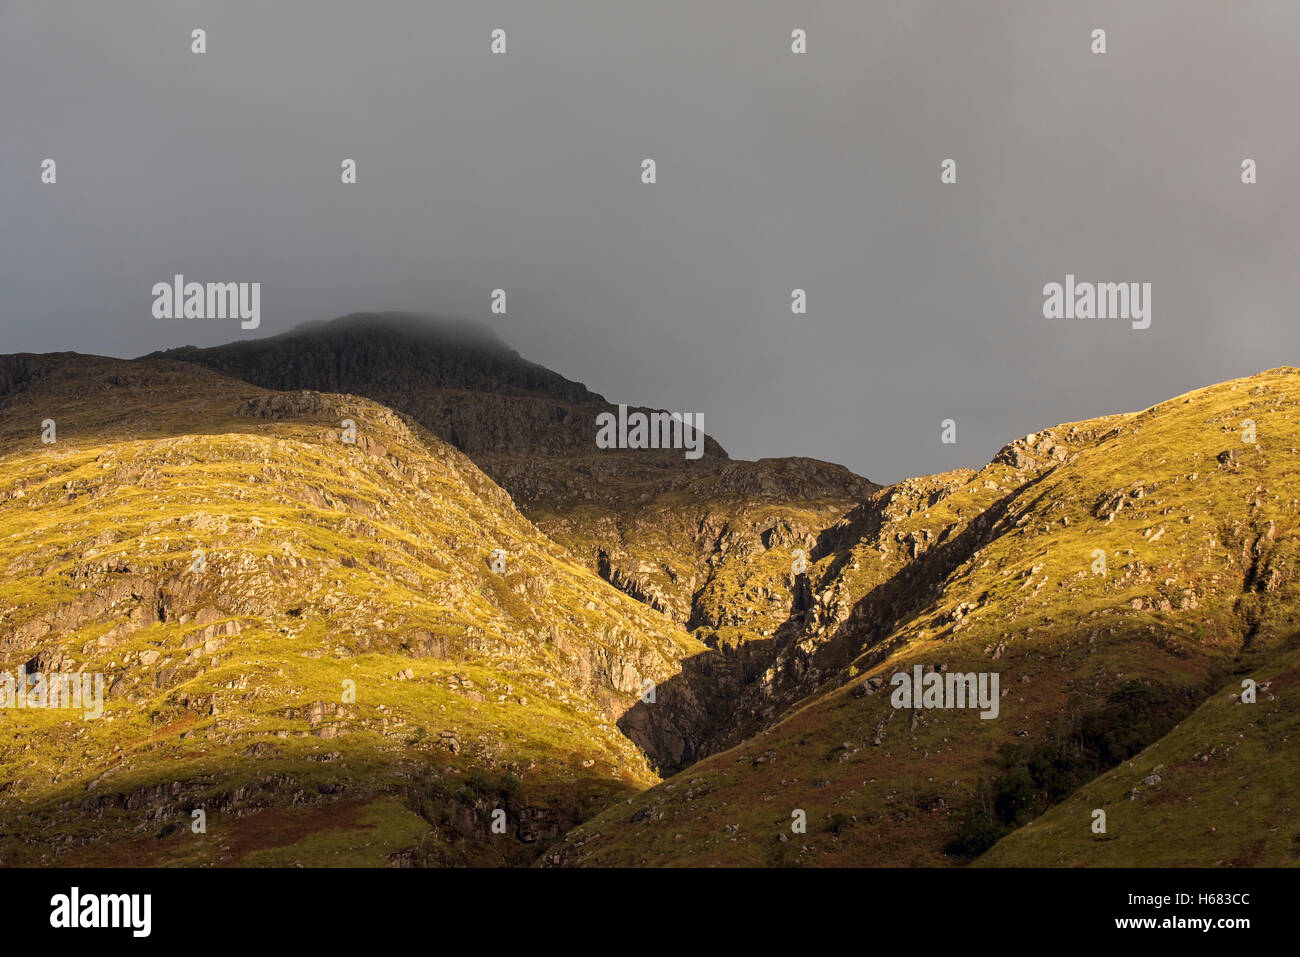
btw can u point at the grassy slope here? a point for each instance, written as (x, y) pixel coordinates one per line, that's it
(331, 562)
(1223, 788)
(1201, 566)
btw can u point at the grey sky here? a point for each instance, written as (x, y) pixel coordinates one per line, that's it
(775, 171)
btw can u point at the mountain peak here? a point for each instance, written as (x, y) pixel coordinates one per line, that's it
(362, 352)
(421, 328)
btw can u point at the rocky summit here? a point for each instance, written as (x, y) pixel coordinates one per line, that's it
(370, 593)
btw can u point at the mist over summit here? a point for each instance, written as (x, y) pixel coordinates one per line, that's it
(367, 351)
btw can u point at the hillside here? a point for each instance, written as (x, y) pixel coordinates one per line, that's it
(704, 542)
(998, 571)
(206, 533)
(229, 564)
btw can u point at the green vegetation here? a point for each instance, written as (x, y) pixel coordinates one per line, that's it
(343, 645)
(1122, 576)
(1079, 745)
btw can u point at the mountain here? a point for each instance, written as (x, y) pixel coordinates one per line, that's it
(324, 562)
(234, 567)
(463, 384)
(693, 539)
(466, 635)
(1106, 671)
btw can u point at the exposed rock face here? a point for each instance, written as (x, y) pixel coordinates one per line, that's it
(675, 534)
(533, 432)
(454, 378)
